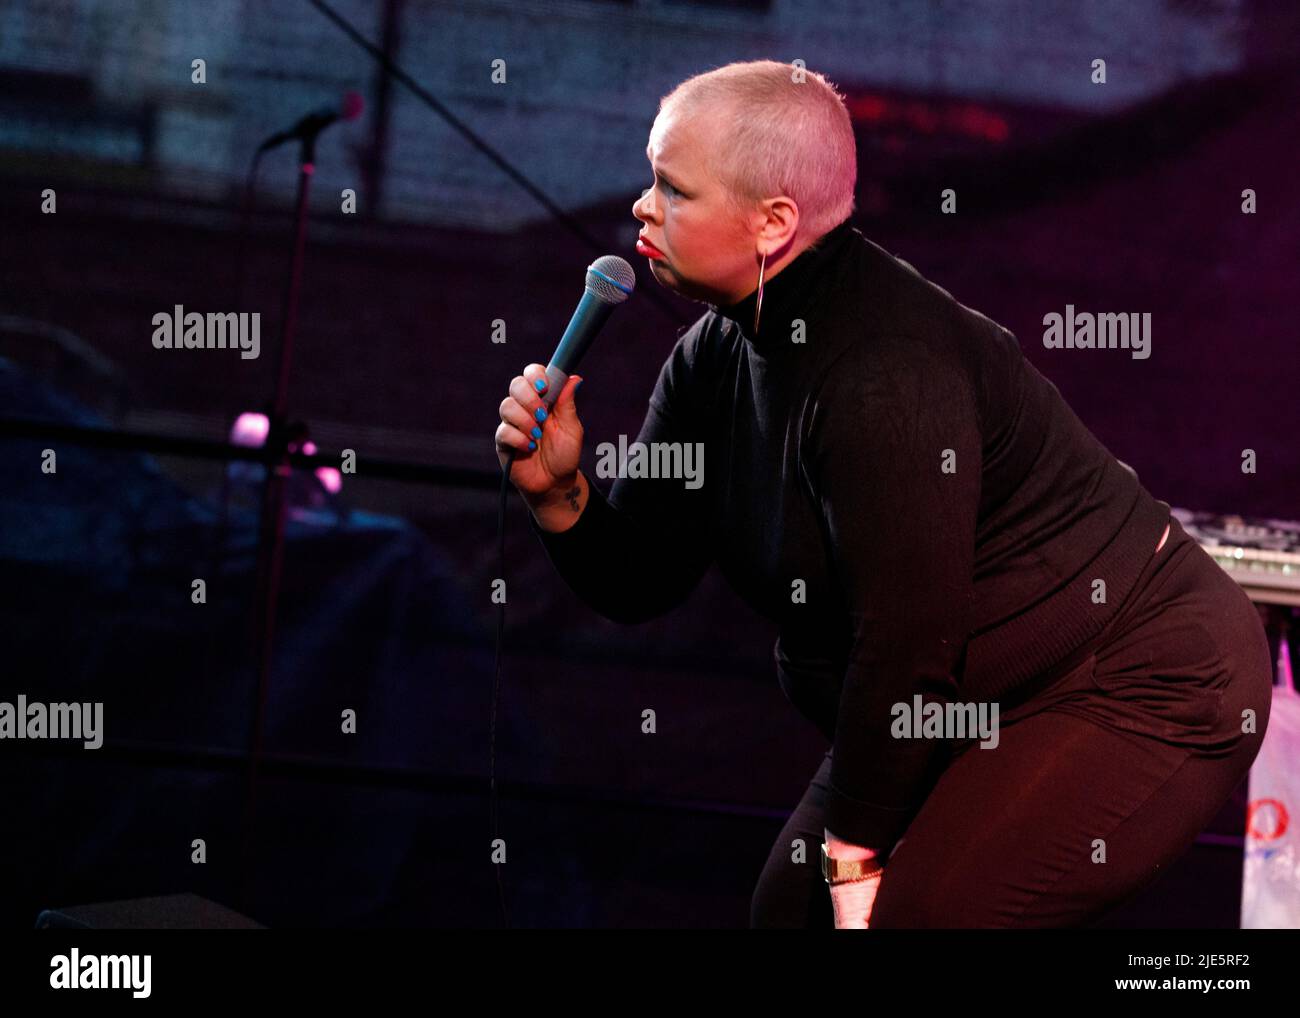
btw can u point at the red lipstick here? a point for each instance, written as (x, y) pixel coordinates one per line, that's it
(644, 247)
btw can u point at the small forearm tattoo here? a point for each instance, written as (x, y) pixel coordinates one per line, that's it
(572, 495)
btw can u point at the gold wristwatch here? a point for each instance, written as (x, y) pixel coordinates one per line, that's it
(846, 871)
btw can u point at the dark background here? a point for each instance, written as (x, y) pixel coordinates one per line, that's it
(1121, 197)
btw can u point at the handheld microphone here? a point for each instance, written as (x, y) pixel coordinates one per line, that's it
(349, 108)
(610, 281)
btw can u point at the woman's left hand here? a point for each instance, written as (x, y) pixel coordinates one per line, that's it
(853, 902)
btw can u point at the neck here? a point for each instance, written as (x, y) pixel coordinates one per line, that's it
(788, 285)
(771, 270)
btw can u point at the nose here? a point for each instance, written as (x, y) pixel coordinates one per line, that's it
(644, 207)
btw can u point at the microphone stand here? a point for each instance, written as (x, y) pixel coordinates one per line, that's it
(281, 440)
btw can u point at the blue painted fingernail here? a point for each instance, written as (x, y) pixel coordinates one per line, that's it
(532, 445)
(541, 384)
(541, 413)
(536, 432)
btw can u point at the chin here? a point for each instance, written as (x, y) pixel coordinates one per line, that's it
(669, 280)
(663, 275)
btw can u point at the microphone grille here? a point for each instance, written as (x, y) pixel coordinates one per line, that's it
(611, 279)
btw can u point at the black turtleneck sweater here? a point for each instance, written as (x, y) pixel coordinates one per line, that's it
(887, 478)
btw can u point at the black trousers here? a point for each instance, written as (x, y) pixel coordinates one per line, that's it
(1105, 772)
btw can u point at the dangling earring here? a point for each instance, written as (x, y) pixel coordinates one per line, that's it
(758, 305)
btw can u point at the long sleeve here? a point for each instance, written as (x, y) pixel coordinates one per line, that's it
(639, 552)
(902, 536)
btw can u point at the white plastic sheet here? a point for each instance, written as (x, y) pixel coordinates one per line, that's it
(1270, 894)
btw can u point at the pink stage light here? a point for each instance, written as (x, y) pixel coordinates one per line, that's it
(330, 478)
(250, 430)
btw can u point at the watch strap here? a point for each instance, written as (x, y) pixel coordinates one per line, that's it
(845, 871)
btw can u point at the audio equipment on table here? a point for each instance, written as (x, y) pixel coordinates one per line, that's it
(1262, 555)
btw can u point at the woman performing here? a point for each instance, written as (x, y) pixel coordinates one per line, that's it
(1036, 687)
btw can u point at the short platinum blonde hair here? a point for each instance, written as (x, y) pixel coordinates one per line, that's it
(783, 129)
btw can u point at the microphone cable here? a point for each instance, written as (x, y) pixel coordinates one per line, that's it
(496, 681)
(570, 223)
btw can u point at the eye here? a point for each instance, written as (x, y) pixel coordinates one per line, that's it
(668, 188)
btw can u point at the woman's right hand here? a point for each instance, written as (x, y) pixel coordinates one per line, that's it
(553, 463)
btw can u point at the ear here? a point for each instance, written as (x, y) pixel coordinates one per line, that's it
(780, 224)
